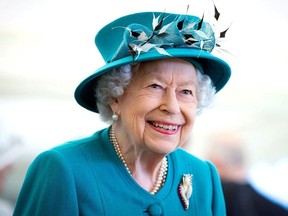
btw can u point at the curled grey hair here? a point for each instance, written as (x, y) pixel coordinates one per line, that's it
(113, 84)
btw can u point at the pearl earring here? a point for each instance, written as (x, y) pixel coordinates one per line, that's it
(115, 117)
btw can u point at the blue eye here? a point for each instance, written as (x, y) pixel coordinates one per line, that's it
(187, 92)
(156, 86)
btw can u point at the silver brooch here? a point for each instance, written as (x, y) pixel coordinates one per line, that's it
(185, 190)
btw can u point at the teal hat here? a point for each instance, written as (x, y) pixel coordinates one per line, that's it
(154, 35)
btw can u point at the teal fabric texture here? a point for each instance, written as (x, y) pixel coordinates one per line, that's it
(86, 177)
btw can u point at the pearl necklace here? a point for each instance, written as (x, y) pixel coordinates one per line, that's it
(162, 173)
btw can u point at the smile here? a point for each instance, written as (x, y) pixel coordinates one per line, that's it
(165, 126)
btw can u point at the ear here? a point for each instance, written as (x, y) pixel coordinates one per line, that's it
(114, 104)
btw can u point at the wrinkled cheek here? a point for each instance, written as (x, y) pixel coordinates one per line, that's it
(138, 126)
(185, 137)
(186, 132)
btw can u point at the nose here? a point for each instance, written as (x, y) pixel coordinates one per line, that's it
(170, 103)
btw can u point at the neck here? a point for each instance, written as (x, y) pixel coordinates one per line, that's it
(149, 174)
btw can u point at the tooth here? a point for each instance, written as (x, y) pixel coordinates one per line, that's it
(166, 127)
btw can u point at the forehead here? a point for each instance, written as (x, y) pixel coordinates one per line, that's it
(166, 69)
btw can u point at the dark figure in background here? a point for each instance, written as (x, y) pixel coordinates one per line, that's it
(243, 200)
(226, 151)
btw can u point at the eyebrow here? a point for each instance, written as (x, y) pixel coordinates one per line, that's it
(184, 83)
(189, 82)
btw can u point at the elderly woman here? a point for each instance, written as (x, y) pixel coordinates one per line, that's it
(159, 74)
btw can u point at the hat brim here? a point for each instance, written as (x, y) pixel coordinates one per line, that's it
(217, 69)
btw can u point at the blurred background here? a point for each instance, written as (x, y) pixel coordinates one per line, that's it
(47, 48)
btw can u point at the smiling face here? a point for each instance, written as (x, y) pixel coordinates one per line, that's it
(158, 108)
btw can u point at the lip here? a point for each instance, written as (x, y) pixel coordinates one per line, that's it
(165, 127)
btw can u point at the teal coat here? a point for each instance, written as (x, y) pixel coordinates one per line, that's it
(86, 177)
